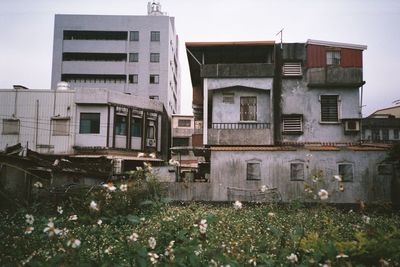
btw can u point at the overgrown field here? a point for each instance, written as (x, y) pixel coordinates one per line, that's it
(196, 234)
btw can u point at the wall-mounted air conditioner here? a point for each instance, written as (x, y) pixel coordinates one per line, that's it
(151, 142)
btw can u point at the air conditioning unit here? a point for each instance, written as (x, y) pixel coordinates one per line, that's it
(352, 126)
(151, 142)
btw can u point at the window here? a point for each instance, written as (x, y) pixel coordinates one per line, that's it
(329, 108)
(154, 57)
(89, 123)
(248, 108)
(60, 126)
(133, 57)
(376, 136)
(150, 131)
(291, 69)
(154, 97)
(155, 36)
(253, 171)
(134, 36)
(133, 78)
(120, 125)
(385, 134)
(136, 130)
(228, 98)
(154, 78)
(292, 124)
(395, 133)
(184, 123)
(297, 171)
(180, 141)
(10, 126)
(333, 58)
(346, 172)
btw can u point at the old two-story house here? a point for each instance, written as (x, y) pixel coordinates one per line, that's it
(286, 117)
(382, 126)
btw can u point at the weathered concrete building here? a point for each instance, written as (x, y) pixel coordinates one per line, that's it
(285, 118)
(137, 55)
(84, 123)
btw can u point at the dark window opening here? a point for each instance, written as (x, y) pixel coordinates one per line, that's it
(133, 78)
(136, 130)
(184, 123)
(89, 123)
(120, 125)
(385, 134)
(95, 35)
(395, 133)
(94, 57)
(134, 36)
(133, 57)
(93, 78)
(329, 108)
(346, 172)
(154, 78)
(178, 141)
(154, 57)
(296, 171)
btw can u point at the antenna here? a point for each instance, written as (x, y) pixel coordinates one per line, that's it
(281, 33)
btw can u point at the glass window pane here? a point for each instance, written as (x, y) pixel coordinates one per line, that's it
(346, 172)
(136, 130)
(89, 123)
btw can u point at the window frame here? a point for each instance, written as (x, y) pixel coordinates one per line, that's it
(134, 36)
(133, 78)
(251, 109)
(396, 133)
(155, 77)
(133, 57)
(228, 98)
(183, 123)
(121, 127)
(344, 178)
(323, 109)
(15, 131)
(155, 36)
(54, 122)
(256, 173)
(154, 57)
(97, 126)
(331, 60)
(292, 178)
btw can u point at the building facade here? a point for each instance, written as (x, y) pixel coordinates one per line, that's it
(284, 119)
(136, 55)
(382, 126)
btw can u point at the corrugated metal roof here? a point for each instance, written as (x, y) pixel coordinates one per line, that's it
(234, 43)
(336, 44)
(252, 148)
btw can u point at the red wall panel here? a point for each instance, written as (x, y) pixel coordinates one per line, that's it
(316, 56)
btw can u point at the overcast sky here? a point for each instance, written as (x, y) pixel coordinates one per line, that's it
(26, 33)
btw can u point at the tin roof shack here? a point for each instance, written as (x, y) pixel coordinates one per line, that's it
(276, 120)
(382, 126)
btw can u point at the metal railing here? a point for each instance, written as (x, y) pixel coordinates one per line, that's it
(240, 125)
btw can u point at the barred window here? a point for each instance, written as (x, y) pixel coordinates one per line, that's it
(155, 36)
(248, 108)
(134, 36)
(333, 58)
(329, 108)
(133, 57)
(154, 57)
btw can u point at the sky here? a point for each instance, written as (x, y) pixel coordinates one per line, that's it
(26, 34)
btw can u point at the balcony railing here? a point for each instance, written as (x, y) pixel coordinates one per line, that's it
(240, 125)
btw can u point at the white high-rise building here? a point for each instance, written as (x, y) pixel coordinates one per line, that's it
(137, 55)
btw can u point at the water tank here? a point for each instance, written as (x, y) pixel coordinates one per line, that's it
(63, 86)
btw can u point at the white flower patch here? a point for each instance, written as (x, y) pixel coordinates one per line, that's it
(60, 210)
(51, 230)
(74, 243)
(323, 194)
(293, 258)
(152, 242)
(237, 205)
(73, 218)
(29, 219)
(133, 237)
(93, 205)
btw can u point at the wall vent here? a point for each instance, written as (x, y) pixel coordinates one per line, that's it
(292, 69)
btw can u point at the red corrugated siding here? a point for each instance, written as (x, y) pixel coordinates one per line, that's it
(351, 58)
(316, 57)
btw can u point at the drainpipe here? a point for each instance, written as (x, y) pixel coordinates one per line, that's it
(37, 124)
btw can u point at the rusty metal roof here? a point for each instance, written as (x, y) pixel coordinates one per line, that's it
(252, 148)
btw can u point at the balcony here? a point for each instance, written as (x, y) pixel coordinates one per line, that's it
(240, 134)
(334, 76)
(93, 67)
(94, 46)
(249, 70)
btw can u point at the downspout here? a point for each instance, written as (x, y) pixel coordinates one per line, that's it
(114, 120)
(37, 124)
(108, 126)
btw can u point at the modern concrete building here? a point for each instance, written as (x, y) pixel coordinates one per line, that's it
(136, 55)
(284, 119)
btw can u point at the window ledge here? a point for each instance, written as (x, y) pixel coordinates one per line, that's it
(329, 122)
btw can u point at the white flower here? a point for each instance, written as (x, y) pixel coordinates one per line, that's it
(253, 261)
(292, 257)
(29, 230)
(93, 205)
(237, 205)
(110, 186)
(140, 155)
(203, 226)
(139, 168)
(152, 242)
(38, 184)
(338, 178)
(133, 237)
(73, 218)
(60, 210)
(271, 214)
(29, 219)
(173, 162)
(323, 194)
(51, 229)
(341, 255)
(99, 222)
(264, 188)
(366, 219)
(153, 257)
(123, 187)
(74, 243)
(108, 250)
(152, 155)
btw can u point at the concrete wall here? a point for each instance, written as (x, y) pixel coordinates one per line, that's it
(228, 169)
(100, 139)
(167, 47)
(297, 98)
